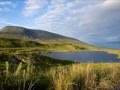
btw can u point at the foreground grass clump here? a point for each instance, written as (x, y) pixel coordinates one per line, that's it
(69, 77)
(85, 77)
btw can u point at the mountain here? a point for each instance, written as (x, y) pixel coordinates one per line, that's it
(32, 34)
(24, 33)
(16, 32)
(19, 43)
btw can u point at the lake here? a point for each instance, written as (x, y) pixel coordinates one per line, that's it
(85, 56)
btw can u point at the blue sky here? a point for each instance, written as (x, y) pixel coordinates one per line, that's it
(92, 21)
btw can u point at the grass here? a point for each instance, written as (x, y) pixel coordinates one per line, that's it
(31, 58)
(18, 45)
(85, 77)
(117, 52)
(33, 71)
(69, 77)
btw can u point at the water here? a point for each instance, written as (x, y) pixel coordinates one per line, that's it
(85, 56)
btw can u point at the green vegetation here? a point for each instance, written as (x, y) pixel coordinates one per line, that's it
(24, 67)
(18, 45)
(69, 77)
(13, 43)
(35, 59)
(15, 32)
(31, 34)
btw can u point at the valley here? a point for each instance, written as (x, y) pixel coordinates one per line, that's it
(59, 44)
(23, 64)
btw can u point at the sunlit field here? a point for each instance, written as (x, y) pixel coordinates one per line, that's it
(69, 77)
(59, 44)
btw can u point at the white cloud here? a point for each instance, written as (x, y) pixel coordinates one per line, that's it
(33, 6)
(89, 21)
(103, 19)
(53, 18)
(6, 5)
(62, 17)
(4, 9)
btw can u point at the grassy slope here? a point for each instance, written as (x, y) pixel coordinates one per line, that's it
(32, 34)
(69, 77)
(45, 37)
(51, 39)
(73, 76)
(18, 45)
(13, 45)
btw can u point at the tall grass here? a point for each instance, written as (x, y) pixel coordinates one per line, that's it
(70, 77)
(6, 69)
(85, 77)
(17, 71)
(20, 78)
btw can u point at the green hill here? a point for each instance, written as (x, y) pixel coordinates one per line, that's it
(36, 37)
(32, 34)
(13, 43)
(24, 33)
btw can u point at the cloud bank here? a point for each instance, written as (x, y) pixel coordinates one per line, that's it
(87, 20)
(6, 5)
(90, 20)
(33, 6)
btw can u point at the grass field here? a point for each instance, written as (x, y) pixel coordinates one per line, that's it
(69, 77)
(23, 68)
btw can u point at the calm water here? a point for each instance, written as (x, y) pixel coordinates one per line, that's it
(85, 56)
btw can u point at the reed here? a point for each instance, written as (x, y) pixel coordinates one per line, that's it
(6, 69)
(18, 70)
(85, 77)
(89, 76)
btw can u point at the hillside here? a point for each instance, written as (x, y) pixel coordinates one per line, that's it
(52, 40)
(13, 43)
(23, 64)
(32, 34)
(19, 45)
(24, 33)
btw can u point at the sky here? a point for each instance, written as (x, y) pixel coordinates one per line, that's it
(91, 21)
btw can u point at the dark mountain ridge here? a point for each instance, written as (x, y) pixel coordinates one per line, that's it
(16, 32)
(29, 33)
